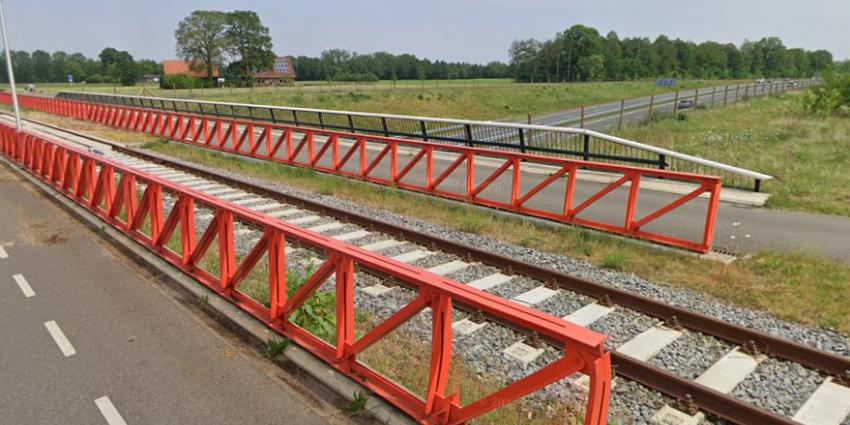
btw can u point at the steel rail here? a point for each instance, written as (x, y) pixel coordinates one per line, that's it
(720, 405)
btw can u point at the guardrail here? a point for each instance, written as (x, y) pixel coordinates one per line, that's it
(110, 190)
(565, 142)
(347, 154)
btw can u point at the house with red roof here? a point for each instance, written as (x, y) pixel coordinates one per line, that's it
(181, 67)
(282, 73)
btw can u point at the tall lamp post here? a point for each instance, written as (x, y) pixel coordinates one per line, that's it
(9, 71)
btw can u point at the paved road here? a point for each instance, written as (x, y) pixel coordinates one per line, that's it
(606, 116)
(87, 340)
(739, 229)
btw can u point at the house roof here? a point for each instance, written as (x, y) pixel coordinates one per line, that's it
(282, 68)
(180, 67)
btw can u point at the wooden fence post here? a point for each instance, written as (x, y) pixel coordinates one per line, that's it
(622, 106)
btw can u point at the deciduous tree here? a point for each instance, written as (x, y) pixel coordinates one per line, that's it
(201, 39)
(249, 41)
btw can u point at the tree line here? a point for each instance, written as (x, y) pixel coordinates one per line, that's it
(239, 44)
(208, 38)
(111, 66)
(343, 65)
(581, 54)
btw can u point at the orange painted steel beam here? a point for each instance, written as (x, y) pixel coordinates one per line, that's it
(238, 137)
(85, 178)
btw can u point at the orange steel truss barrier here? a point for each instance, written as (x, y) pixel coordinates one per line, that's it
(127, 198)
(346, 154)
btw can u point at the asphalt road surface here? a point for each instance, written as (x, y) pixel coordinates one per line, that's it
(606, 115)
(89, 340)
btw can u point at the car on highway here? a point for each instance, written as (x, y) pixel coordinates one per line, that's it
(686, 104)
(760, 81)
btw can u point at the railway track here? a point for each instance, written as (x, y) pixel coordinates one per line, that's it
(640, 329)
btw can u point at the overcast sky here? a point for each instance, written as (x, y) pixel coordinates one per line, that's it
(458, 30)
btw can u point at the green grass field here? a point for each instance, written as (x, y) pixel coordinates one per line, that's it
(808, 155)
(470, 99)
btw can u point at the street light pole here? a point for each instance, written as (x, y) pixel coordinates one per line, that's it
(10, 72)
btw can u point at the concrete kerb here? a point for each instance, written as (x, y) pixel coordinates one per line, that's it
(303, 359)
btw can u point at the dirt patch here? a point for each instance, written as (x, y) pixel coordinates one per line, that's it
(41, 233)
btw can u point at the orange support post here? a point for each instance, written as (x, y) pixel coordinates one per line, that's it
(86, 175)
(402, 155)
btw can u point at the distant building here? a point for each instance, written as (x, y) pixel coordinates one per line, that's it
(282, 73)
(180, 67)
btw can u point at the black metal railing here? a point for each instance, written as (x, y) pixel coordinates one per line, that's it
(554, 140)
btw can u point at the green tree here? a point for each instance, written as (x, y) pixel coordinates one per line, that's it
(149, 67)
(249, 40)
(577, 42)
(736, 67)
(524, 59)
(118, 66)
(686, 57)
(777, 62)
(591, 68)
(613, 57)
(666, 52)
(820, 60)
(201, 39)
(711, 60)
(41, 66)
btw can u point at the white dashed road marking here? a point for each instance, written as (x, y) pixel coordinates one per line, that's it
(109, 412)
(24, 285)
(3, 253)
(62, 341)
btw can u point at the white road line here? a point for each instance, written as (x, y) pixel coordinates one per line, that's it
(24, 285)
(3, 253)
(62, 341)
(109, 412)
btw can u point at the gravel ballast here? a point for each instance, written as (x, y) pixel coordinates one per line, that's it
(776, 385)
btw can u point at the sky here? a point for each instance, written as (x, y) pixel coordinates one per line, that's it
(475, 31)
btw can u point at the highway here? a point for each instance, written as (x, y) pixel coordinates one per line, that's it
(605, 116)
(89, 339)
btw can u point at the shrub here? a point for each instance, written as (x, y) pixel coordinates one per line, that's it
(360, 77)
(95, 79)
(180, 82)
(833, 97)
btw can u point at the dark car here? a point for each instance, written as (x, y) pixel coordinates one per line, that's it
(686, 104)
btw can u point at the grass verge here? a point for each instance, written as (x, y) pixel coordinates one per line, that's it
(798, 287)
(808, 154)
(474, 99)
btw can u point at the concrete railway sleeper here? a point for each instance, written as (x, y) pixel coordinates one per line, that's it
(542, 289)
(486, 177)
